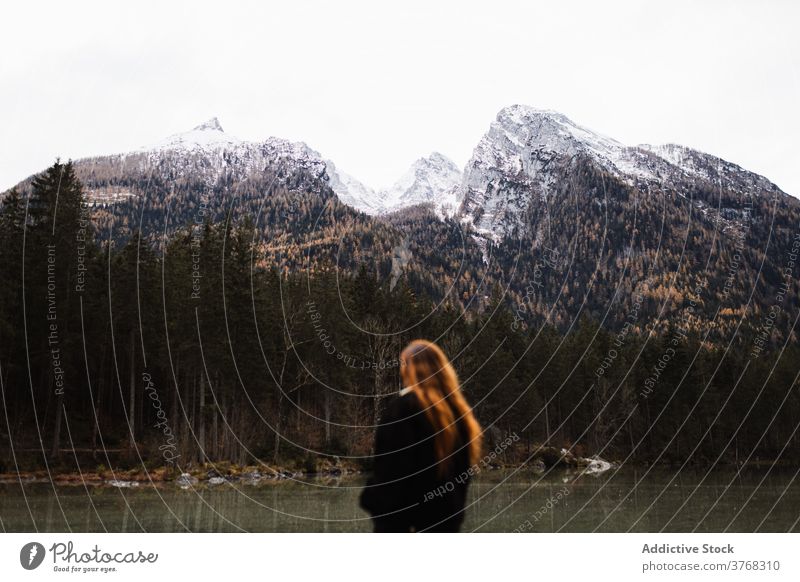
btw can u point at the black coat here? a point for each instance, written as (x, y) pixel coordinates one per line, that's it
(406, 493)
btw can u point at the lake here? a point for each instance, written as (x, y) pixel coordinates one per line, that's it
(619, 500)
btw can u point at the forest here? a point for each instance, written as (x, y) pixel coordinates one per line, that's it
(208, 347)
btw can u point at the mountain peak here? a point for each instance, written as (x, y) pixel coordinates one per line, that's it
(429, 179)
(208, 135)
(436, 159)
(552, 129)
(212, 125)
(522, 113)
(526, 150)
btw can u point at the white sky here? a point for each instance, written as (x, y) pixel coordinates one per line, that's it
(373, 86)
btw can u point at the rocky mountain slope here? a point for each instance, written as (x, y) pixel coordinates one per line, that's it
(521, 156)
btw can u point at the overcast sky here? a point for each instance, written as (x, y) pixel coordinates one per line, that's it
(373, 87)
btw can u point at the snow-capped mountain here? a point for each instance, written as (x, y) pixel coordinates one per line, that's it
(430, 180)
(433, 179)
(524, 154)
(208, 152)
(206, 136)
(520, 161)
(352, 192)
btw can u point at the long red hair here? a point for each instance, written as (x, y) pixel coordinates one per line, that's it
(425, 370)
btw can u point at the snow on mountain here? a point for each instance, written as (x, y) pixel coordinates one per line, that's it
(705, 167)
(207, 152)
(512, 161)
(432, 179)
(352, 192)
(520, 157)
(206, 136)
(545, 129)
(520, 131)
(209, 139)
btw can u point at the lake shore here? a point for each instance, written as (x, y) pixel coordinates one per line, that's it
(217, 473)
(213, 473)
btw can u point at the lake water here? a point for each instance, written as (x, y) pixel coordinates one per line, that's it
(619, 500)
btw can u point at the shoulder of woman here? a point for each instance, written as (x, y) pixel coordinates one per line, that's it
(402, 405)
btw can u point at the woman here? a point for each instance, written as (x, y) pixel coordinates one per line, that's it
(425, 446)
